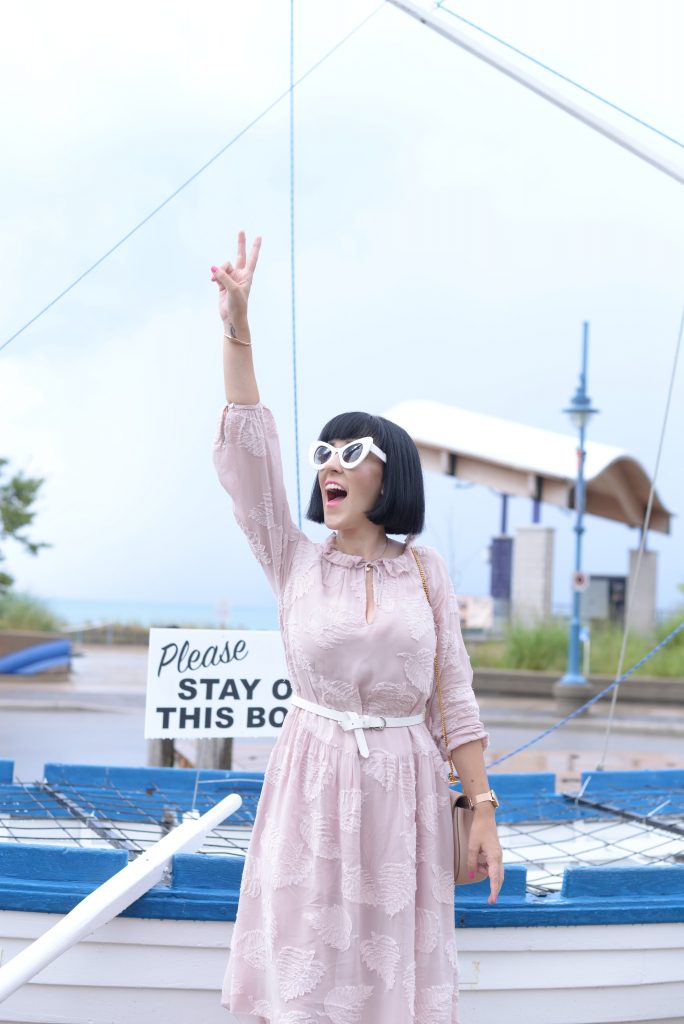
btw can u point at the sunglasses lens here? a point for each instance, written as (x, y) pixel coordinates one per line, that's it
(353, 452)
(321, 455)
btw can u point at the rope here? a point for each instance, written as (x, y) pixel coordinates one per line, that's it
(197, 173)
(644, 533)
(592, 700)
(609, 103)
(292, 261)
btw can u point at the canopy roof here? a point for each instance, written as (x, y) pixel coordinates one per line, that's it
(528, 462)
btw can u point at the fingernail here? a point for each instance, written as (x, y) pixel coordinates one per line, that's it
(471, 874)
(214, 269)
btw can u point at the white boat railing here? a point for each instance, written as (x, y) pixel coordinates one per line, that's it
(113, 896)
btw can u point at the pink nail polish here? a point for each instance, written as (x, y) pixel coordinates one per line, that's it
(471, 874)
(214, 269)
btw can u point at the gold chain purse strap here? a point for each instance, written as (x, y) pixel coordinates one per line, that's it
(453, 777)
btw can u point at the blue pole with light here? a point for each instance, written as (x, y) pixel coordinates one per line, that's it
(580, 412)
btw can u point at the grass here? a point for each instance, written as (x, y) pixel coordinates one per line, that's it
(23, 611)
(544, 647)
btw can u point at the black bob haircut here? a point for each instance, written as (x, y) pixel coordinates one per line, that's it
(401, 506)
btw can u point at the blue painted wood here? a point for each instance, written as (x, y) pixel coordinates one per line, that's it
(205, 887)
(37, 862)
(197, 871)
(531, 783)
(624, 880)
(97, 775)
(660, 779)
(6, 771)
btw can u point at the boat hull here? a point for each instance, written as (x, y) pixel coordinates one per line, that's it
(137, 969)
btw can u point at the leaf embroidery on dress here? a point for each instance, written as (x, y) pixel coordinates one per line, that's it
(357, 885)
(427, 812)
(340, 694)
(296, 1017)
(298, 584)
(344, 1004)
(390, 698)
(289, 861)
(425, 846)
(258, 549)
(251, 946)
(333, 924)
(293, 865)
(433, 1004)
(269, 919)
(272, 773)
(382, 766)
(318, 774)
(261, 1008)
(263, 512)
(250, 884)
(410, 838)
(419, 668)
(247, 431)
(409, 983)
(349, 805)
(407, 787)
(443, 884)
(451, 951)
(327, 626)
(395, 886)
(318, 832)
(381, 953)
(299, 972)
(420, 618)
(427, 930)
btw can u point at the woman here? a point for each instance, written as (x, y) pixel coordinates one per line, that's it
(346, 911)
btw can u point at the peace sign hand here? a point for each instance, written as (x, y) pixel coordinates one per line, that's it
(235, 282)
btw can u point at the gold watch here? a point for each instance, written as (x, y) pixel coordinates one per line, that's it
(482, 797)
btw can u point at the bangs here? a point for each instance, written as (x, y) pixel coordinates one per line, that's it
(350, 425)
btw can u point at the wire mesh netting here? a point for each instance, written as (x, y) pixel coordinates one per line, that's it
(600, 825)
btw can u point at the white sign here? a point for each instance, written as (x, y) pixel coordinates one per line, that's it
(580, 580)
(215, 682)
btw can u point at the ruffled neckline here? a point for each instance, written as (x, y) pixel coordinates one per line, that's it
(392, 564)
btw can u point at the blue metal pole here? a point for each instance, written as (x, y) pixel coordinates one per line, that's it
(573, 676)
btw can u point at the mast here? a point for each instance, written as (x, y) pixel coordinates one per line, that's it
(546, 90)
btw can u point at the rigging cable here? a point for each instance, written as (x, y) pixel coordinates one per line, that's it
(590, 92)
(292, 262)
(197, 173)
(644, 533)
(437, 6)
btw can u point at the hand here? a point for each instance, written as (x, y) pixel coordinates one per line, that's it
(235, 282)
(484, 851)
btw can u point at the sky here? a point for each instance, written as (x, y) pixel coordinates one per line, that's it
(452, 232)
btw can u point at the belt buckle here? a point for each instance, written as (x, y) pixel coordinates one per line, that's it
(384, 723)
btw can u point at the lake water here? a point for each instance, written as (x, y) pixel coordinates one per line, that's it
(146, 613)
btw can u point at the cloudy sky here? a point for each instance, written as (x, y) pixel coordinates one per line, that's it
(452, 233)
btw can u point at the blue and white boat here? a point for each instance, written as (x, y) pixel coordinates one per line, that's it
(588, 927)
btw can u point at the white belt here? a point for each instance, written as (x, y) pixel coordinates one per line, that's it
(358, 722)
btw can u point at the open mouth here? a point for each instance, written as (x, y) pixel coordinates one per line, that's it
(334, 495)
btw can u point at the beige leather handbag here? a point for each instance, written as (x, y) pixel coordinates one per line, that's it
(461, 813)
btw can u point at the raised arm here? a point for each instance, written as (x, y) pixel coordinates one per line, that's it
(246, 449)
(235, 283)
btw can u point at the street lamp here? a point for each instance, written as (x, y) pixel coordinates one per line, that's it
(573, 684)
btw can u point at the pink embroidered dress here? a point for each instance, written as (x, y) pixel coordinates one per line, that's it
(346, 910)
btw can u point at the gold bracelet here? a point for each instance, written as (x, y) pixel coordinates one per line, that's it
(238, 340)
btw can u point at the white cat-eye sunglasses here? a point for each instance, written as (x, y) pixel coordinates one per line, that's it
(350, 454)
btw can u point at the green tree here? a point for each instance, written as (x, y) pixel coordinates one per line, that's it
(17, 495)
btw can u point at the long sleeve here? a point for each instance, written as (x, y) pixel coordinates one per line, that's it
(248, 462)
(461, 709)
